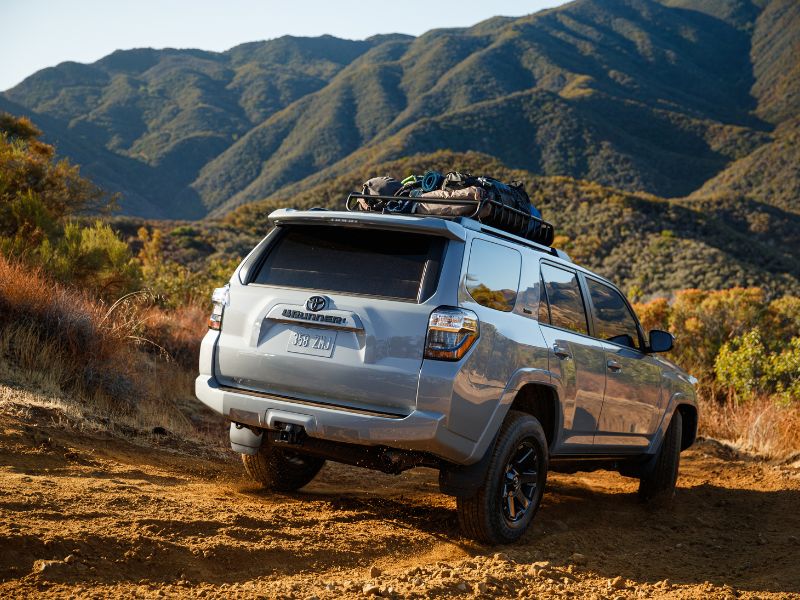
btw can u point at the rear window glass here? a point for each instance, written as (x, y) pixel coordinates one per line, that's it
(372, 262)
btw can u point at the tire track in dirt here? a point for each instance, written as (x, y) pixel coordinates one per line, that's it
(94, 514)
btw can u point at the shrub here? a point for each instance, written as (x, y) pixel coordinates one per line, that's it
(784, 369)
(174, 284)
(128, 360)
(92, 257)
(742, 364)
(737, 345)
(29, 168)
(47, 327)
(38, 197)
(749, 366)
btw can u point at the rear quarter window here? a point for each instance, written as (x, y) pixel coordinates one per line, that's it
(493, 275)
(371, 262)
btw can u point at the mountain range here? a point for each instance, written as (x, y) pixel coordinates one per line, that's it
(692, 99)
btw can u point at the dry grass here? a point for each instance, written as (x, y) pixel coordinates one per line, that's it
(129, 362)
(760, 425)
(177, 332)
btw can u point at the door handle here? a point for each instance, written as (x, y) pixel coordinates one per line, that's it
(614, 366)
(561, 352)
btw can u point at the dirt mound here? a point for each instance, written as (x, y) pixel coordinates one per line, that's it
(87, 513)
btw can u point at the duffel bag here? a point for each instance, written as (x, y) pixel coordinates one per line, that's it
(472, 192)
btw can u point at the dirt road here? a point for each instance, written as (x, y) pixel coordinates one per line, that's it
(95, 514)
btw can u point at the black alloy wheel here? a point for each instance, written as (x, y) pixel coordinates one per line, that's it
(521, 478)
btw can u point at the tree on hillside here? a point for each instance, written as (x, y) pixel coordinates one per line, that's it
(40, 198)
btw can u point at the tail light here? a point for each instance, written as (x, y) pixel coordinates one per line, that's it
(451, 332)
(219, 299)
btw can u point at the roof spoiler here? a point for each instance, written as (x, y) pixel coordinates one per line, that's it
(427, 225)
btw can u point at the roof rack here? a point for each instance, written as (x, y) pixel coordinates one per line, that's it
(474, 225)
(493, 213)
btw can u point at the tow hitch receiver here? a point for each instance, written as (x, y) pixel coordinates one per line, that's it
(290, 433)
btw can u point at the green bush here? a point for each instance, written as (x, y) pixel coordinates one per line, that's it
(92, 257)
(737, 344)
(742, 364)
(750, 367)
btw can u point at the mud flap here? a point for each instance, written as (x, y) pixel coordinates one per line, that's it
(642, 467)
(648, 464)
(465, 480)
(638, 468)
(244, 440)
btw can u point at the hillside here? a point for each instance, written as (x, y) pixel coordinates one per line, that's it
(770, 173)
(660, 97)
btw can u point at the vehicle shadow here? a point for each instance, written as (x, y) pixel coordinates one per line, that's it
(740, 537)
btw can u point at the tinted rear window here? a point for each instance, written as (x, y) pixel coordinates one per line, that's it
(371, 262)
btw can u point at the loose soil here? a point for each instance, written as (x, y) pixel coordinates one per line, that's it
(88, 513)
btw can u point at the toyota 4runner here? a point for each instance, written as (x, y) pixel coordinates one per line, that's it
(391, 342)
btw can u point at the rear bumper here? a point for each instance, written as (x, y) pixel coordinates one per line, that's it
(421, 430)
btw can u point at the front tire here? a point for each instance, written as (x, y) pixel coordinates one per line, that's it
(658, 482)
(281, 470)
(508, 498)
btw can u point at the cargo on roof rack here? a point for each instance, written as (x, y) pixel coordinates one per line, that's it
(489, 211)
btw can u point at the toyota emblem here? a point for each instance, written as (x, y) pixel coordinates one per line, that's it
(316, 303)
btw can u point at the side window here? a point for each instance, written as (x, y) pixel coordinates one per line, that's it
(564, 299)
(493, 275)
(613, 320)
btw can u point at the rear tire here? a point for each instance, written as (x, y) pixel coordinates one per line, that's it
(508, 498)
(659, 483)
(281, 470)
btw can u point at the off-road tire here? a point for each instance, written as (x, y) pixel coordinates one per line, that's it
(281, 470)
(658, 483)
(481, 516)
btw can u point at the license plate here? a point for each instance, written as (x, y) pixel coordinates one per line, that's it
(311, 341)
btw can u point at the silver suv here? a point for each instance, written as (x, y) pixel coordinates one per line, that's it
(391, 342)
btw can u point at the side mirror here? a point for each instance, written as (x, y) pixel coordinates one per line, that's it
(660, 341)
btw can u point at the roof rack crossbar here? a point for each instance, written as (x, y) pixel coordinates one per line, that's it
(504, 235)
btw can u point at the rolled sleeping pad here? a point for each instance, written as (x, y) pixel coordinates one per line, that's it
(432, 180)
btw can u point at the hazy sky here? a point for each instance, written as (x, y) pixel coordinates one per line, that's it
(41, 33)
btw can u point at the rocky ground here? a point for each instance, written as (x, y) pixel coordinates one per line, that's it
(89, 513)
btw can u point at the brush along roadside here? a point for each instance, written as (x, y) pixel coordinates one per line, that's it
(128, 362)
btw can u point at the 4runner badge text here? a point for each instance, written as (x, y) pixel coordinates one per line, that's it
(310, 316)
